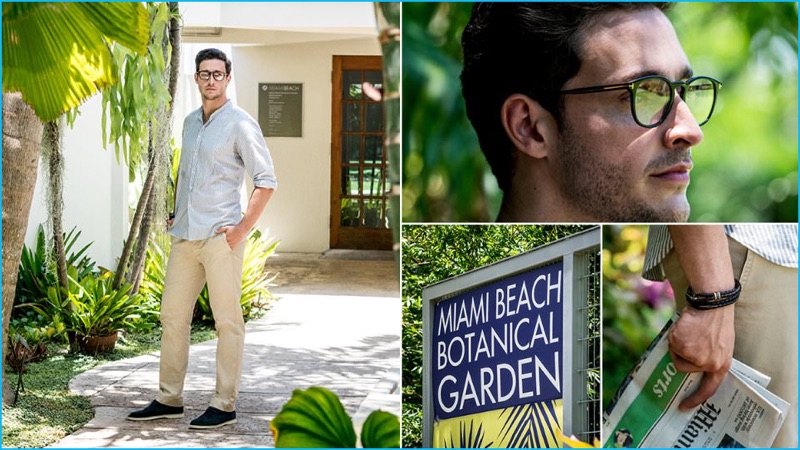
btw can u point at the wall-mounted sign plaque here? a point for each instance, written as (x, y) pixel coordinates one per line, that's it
(280, 109)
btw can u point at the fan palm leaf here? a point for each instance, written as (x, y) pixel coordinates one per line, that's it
(57, 54)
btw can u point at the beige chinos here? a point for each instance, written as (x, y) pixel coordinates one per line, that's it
(765, 323)
(191, 264)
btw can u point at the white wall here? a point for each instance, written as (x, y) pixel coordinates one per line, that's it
(279, 15)
(299, 212)
(95, 190)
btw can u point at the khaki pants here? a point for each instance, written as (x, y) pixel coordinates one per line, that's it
(192, 264)
(766, 323)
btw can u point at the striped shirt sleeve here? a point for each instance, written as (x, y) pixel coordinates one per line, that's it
(776, 243)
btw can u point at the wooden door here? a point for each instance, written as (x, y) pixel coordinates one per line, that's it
(359, 181)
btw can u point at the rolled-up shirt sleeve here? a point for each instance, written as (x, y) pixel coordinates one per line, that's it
(255, 155)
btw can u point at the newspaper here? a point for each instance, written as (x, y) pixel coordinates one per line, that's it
(644, 411)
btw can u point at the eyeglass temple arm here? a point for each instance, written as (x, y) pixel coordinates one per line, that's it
(591, 89)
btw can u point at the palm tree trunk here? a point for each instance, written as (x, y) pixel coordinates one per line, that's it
(125, 258)
(52, 150)
(388, 18)
(137, 266)
(22, 137)
(175, 61)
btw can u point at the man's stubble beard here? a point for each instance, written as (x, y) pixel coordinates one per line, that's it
(211, 97)
(599, 189)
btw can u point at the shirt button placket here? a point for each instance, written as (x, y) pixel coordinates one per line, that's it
(195, 157)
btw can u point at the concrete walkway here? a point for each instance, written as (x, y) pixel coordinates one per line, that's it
(336, 324)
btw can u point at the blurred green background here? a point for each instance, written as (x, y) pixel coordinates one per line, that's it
(634, 309)
(745, 168)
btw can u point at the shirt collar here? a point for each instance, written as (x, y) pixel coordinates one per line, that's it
(224, 107)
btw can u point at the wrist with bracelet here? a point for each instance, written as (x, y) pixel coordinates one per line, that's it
(712, 300)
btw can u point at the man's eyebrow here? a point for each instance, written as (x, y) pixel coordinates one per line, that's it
(685, 74)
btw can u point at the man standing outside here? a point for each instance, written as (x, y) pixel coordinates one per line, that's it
(586, 112)
(221, 143)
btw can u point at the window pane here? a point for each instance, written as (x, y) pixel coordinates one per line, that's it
(373, 214)
(373, 183)
(351, 84)
(375, 77)
(350, 180)
(350, 214)
(351, 148)
(373, 149)
(351, 117)
(374, 116)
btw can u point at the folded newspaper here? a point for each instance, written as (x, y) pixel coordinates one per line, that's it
(644, 411)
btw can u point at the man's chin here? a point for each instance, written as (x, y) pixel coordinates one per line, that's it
(677, 211)
(670, 212)
(211, 96)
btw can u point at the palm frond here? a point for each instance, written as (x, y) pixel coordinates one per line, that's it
(56, 54)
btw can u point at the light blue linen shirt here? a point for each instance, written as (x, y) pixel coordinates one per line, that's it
(214, 158)
(776, 242)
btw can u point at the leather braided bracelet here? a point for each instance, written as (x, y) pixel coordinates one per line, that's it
(713, 300)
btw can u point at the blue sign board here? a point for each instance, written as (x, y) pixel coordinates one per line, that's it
(499, 345)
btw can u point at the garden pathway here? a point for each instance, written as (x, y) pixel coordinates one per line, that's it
(336, 324)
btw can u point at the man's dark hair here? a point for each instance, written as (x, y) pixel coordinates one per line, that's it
(525, 48)
(211, 53)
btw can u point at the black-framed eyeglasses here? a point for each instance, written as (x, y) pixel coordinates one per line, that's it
(205, 75)
(652, 97)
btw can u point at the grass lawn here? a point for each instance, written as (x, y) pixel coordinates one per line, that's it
(46, 411)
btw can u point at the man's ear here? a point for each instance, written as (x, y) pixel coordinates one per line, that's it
(531, 128)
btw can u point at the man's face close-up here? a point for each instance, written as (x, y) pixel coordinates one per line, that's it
(606, 164)
(212, 89)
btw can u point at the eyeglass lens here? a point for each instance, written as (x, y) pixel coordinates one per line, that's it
(653, 95)
(205, 75)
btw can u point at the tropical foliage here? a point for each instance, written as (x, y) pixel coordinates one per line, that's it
(28, 338)
(432, 253)
(315, 418)
(140, 110)
(55, 55)
(37, 266)
(67, 63)
(130, 106)
(93, 307)
(750, 145)
(634, 309)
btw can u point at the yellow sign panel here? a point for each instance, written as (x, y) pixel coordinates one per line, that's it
(533, 425)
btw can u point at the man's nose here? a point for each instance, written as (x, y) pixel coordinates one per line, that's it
(683, 130)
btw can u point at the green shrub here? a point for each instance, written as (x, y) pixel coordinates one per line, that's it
(92, 307)
(97, 309)
(34, 328)
(28, 337)
(37, 269)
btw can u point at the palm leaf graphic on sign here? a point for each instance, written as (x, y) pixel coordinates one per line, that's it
(469, 439)
(531, 426)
